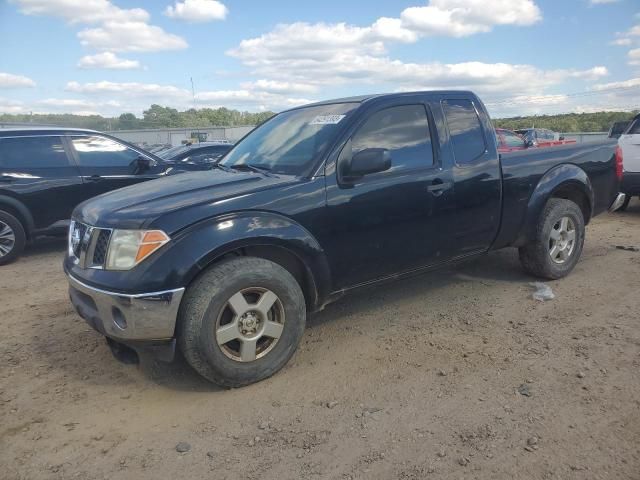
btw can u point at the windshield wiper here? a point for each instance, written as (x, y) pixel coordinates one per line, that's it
(224, 168)
(254, 168)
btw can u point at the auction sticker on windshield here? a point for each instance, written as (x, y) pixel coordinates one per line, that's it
(326, 119)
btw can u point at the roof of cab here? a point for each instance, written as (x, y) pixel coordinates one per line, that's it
(365, 98)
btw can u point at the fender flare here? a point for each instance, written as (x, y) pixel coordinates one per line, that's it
(21, 209)
(211, 239)
(565, 176)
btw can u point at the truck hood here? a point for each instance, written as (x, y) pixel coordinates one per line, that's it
(138, 206)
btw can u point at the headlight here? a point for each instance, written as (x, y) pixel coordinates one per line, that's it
(128, 248)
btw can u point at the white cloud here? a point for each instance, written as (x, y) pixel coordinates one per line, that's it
(460, 18)
(634, 57)
(81, 11)
(621, 42)
(602, 2)
(107, 60)
(275, 86)
(8, 80)
(130, 37)
(11, 106)
(197, 10)
(118, 29)
(128, 89)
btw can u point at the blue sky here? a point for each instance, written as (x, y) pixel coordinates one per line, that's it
(522, 56)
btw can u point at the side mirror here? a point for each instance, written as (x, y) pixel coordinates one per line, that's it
(365, 162)
(528, 143)
(561, 138)
(142, 164)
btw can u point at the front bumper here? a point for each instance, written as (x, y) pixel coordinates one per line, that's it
(126, 318)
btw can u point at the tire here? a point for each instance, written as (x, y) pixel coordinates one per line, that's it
(624, 206)
(207, 317)
(539, 257)
(12, 238)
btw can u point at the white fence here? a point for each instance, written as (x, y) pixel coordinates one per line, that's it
(177, 136)
(581, 137)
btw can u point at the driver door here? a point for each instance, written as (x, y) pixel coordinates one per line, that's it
(106, 164)
(396, 220)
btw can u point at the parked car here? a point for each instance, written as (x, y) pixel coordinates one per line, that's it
(46, 172)
(313, 204)
(203, 153)
(509, 141)
(618, 128)
(629, 142)
(541, 137)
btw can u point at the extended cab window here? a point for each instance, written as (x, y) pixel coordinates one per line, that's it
(32, 152)
(96, 151)
(403, 130)
(465, 129)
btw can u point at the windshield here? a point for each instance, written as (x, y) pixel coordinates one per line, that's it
(172, 152)
(290, 142)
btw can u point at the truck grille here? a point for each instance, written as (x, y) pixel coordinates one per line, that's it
(89, 245)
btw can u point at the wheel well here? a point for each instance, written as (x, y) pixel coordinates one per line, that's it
(577, 196)
(286, 259)
(16, 213)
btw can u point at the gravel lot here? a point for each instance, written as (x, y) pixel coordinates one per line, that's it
(456, 374)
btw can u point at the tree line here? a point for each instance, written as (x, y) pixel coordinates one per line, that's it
(158, 116)
(567, 122)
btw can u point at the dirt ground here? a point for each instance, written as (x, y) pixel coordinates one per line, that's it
(456, 374)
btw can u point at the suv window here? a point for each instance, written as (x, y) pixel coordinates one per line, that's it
(403, 130)
(96, 151)
(32, 152)
(465, 129)
(635, 128)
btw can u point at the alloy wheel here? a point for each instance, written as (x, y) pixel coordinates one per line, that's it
(562, 240)
(7, 239)
(250, 324)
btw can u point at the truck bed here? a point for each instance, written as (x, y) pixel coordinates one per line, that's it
(523, 171)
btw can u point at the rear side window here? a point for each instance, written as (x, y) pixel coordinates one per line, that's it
(403, 130)
(32, 152)
(465, 129)
(635, 128)
(95, 151)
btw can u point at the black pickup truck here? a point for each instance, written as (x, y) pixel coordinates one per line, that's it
(316, 202)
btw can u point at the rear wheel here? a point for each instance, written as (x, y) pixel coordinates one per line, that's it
(241, 321)
(558, 241)
(12, 238)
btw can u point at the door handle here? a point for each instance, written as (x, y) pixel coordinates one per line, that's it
(438, 187)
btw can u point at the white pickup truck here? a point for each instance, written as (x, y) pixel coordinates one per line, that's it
(629, 142)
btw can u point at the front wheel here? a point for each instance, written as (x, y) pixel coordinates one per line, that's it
(241, 321)
(558, 241)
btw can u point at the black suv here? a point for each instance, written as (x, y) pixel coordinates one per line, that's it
(46, 172)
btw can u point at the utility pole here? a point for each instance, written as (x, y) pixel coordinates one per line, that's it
(193, 93)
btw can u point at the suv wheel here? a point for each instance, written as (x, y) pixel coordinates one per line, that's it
(241, 321)
(558, 241)
(12, 238)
